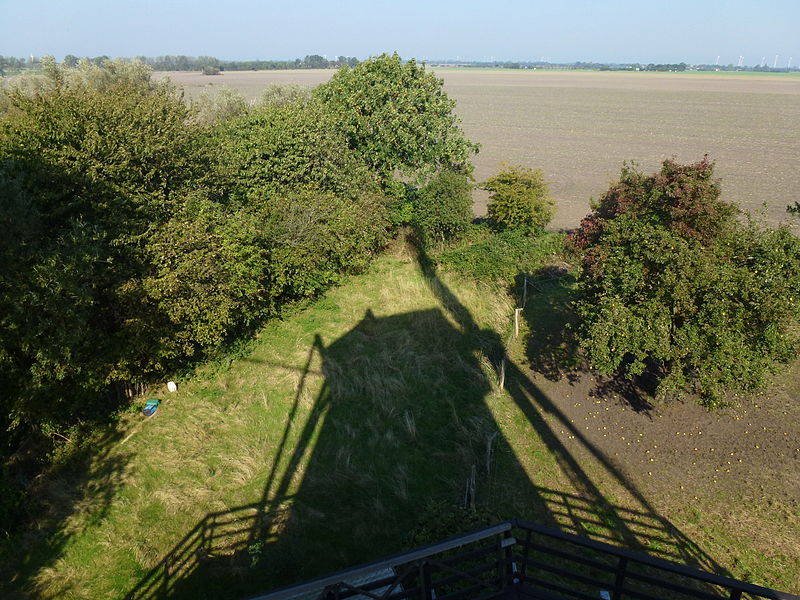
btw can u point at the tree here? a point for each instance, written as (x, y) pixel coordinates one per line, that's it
(315, 61)
(87, 173)
(397, 117)
(673, 284)
(519, 199)
(71, 61)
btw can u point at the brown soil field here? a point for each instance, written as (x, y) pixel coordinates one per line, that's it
(579, 127)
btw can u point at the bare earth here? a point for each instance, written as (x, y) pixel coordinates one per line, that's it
(579, 127)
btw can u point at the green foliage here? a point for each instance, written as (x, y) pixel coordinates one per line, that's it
(440, 520)
(397, 117)
(219, 270)
(288, 146)
(672, 283)
(519, 199)
(210, 109)
(284, 93)
(491, 256)
(443, 209)
(87, 171)
(794, 209)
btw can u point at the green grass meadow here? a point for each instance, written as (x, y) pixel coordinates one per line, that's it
(332, 440)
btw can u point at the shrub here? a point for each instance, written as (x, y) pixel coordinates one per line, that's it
(225, 104)
(673, 284)
(279, 94)
(489, 256)
(443, 209)
(219, 270)
(293, 145)
(519, 199)
(90, 166)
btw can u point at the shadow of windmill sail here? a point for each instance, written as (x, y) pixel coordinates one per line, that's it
(403, 419)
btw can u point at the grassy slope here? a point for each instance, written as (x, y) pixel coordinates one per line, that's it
(322, 447)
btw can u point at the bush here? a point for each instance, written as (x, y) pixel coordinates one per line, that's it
(519, 199)
(292, 145)
(443, 209)
(489, 256)
(90, 166)
(672, 283)
(220, 271)
(280, 94)
(225, 104)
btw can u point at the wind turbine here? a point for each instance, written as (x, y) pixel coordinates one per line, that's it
(741, 61)
(775, 64)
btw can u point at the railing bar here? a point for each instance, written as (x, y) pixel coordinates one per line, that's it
(557, 587)
(443, 567)
(567, 574)
(393, 561)
(586, 561)
(471, 572)
(376, 584)
(469, 591)
(471, 554)
(351, 591)
(673, 586)
(659, 563)
(627, 592)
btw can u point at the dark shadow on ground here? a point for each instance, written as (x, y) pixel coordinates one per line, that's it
(403, 419)
(552, 348)
(88, 482)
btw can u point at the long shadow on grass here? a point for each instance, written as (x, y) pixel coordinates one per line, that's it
(404, 418)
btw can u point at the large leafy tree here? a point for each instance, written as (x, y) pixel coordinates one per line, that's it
(673, 283)
(398, 118)
(90, 165)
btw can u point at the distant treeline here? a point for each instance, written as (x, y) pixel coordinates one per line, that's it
(212, 65)
(596, 66)
(208, 64)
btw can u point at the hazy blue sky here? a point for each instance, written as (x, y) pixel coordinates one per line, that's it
(694, 31)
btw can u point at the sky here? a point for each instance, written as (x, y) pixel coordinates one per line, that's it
(668, 31)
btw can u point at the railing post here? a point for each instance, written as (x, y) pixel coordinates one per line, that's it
(427, 586)
(620, 579)
(506, 559)
(528, 533)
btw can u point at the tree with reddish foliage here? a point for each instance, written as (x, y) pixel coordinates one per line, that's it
(672, 283)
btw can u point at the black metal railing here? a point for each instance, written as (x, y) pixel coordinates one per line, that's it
(518, 559)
